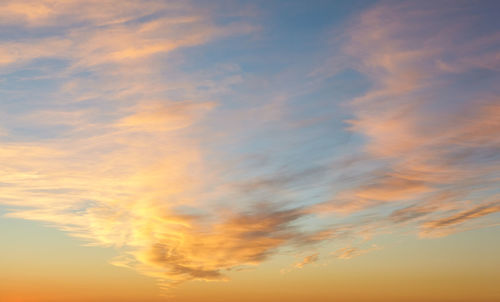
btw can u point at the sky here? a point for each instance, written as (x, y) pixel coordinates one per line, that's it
(155, 150)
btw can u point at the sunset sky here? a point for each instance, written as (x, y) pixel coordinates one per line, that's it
(155, 150)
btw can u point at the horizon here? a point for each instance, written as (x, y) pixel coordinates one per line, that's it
(157, 150)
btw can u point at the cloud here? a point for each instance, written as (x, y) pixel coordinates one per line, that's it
(426, 132)
(159, 117)
(351, 252)
(463, 216)
(238, 240)
(36, 13)
(95, 34)
(307, 260)
(313, 258)
(445, 225)
(123, 154)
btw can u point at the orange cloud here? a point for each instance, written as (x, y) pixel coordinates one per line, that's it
(445, 225)
(420, 142)
(351, 252)
(120, 169)
(49, 12)
(158, 117)
(307, 260)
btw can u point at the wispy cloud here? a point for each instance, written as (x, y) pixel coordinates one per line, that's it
(351, 252)
(428, 134)
(125, 157)
(445, 225)
(307, 260)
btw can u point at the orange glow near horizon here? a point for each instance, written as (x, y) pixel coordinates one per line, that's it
(157, 150)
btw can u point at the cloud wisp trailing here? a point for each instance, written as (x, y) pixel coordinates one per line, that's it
(351, 252)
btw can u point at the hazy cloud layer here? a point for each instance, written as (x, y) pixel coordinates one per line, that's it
(121, 145)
